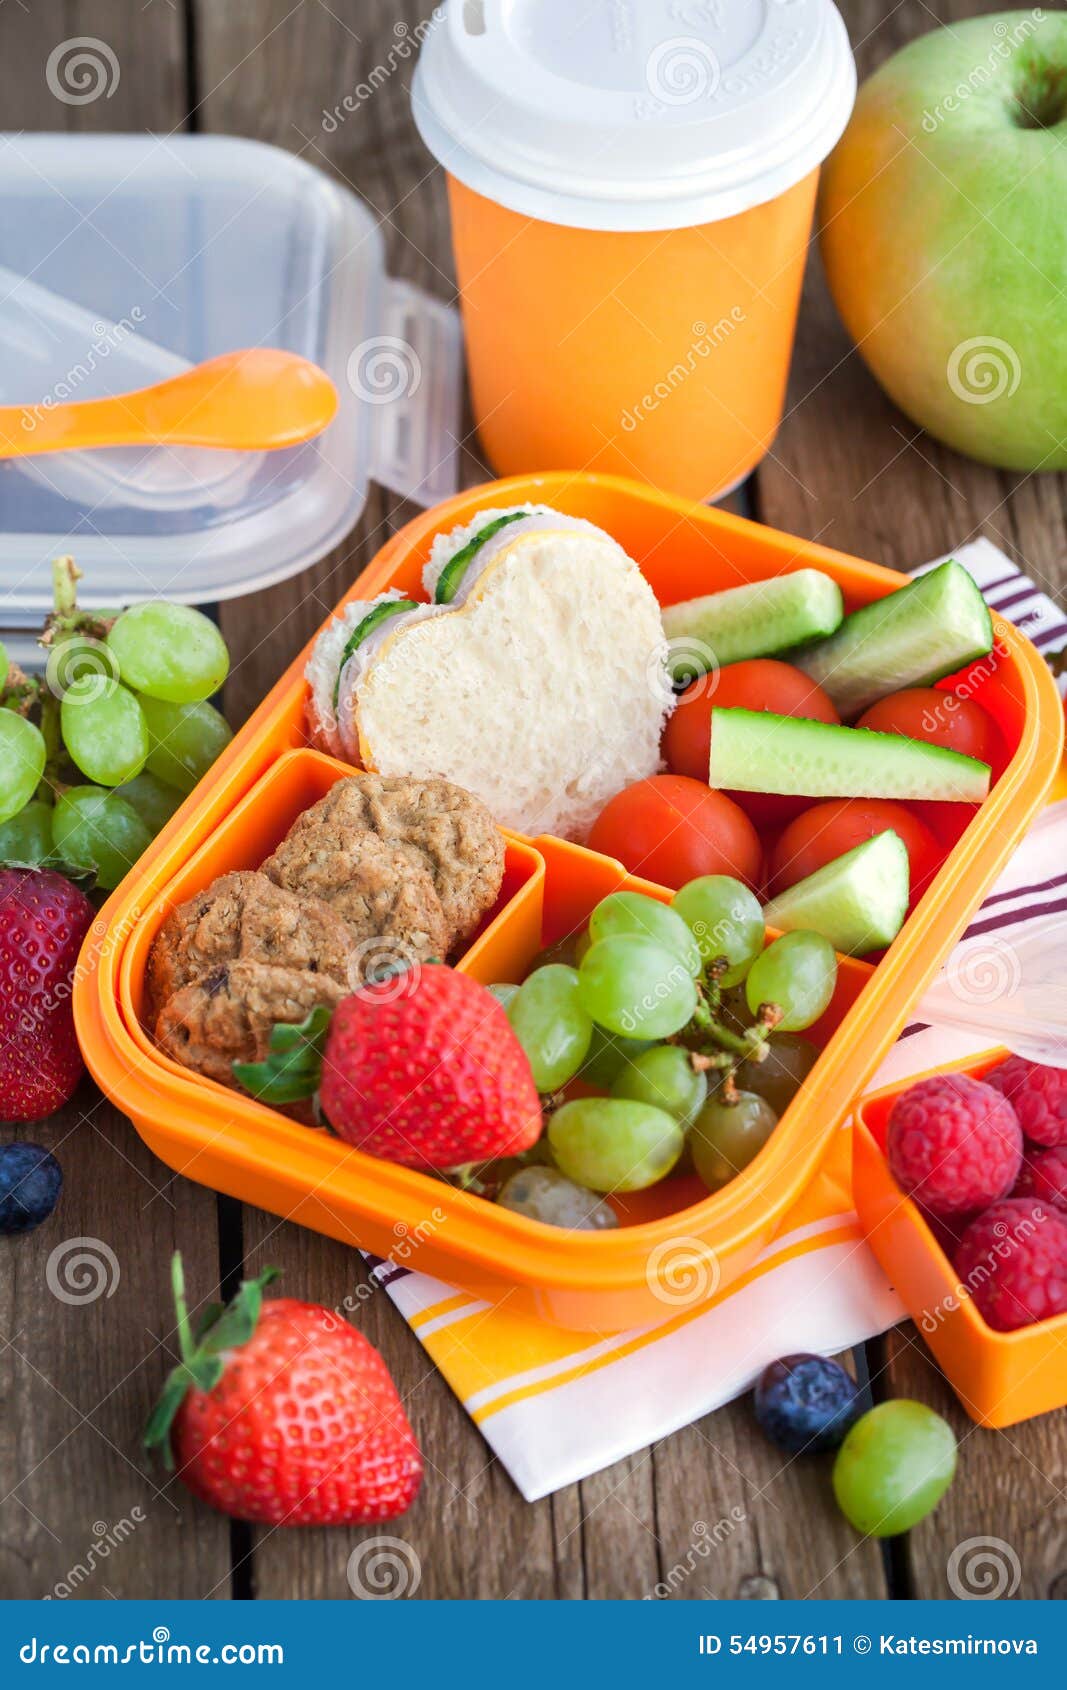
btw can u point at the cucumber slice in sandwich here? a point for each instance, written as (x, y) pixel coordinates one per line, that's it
(911, 638)
(754, 751)
(858, 901)
(373, 618)
(448, 582)
(755, 620)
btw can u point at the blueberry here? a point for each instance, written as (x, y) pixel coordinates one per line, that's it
(30, 1182)
(806, 1403)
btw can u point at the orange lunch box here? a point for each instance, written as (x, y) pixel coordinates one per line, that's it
(999, 1377)
(589, 1281)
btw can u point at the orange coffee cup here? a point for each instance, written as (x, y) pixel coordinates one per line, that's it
(632, 195)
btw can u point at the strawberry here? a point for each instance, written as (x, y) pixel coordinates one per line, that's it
(423, 1069)
(43, 920)
(281, 1412)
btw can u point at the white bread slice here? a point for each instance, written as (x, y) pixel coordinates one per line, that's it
(321, 672)
(542, 691)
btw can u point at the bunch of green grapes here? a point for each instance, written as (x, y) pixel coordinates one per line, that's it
(97, 756)
(689, 1026)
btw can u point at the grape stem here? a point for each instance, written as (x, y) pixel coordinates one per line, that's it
(749, 1046)
(66, 618)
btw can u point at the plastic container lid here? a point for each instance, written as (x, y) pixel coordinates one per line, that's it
(128, 258)
(633, 114)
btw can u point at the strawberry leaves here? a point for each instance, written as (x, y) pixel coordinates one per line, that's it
(293, 1064)
(221, 1328)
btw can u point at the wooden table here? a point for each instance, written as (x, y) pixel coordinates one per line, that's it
(77, 1380)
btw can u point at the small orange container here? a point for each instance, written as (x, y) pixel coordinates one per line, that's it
(999, 1377)
(596, 1281)
(632, 191)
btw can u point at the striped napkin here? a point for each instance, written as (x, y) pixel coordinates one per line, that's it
(556, 1406)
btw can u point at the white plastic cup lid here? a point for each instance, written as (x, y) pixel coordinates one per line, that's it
(633, 114)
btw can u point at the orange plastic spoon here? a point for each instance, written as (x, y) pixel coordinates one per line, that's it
(254, 401)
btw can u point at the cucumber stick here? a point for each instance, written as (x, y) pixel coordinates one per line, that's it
(754, 751)
(910, 638)
(750, 621)
(858, 901)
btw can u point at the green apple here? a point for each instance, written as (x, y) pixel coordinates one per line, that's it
(943, 216)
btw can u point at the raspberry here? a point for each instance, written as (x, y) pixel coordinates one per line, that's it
(1038, 1096)
(1013, 1261)
(954, 1144)
(1044, 1176)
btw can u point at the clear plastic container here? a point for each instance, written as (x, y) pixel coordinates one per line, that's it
(126, 259)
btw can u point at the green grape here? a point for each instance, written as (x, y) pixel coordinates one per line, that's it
(104, 731)
(612, 1144)
(22, 760)
(789, 1060)
(545, 1194)
(665, 1077)
(631, 913)
(184, 740)
(27, 837)
(637, 987)
(5, 663)
(504, 992)
(169, 651)
(895, 1465)
(726, 921)
(551, 1025)
(154, 802)
(797, 972)
(726, 1136)
(93, 829)
(81, 665)
(608, 1053)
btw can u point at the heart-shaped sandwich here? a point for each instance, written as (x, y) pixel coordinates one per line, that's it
(535, 676)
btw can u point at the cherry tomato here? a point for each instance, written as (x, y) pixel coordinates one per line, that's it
(941, 718)
(760, 684)
(671, 829)
(829, 830)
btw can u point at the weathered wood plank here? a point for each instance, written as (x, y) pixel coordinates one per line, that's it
(80, 1509)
